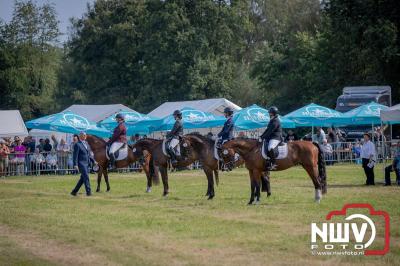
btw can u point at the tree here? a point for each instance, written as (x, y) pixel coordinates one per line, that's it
(29, 59)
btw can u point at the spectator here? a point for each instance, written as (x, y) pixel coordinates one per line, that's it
(291, 136)
(332, 137)
(379, 140)
(75, 139)
(51, 161)
(394, 167)
(19, 159)
(319, 136)
(63, 153)
(40, 146)
(37, 162)
(134, 139)
(326, 148)
(368, 155)
(4, 152)
(356, 150)
(47, 147)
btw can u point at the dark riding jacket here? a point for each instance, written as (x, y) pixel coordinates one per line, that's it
(119, 134)
(177, 130)
(273, 131)
(227, 131)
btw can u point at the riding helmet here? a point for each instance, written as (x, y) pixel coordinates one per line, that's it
(273, 110)
(119, 116)
(228, 110)
(177, 112)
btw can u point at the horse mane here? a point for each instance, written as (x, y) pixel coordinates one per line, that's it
(201, 139)
(95, 138)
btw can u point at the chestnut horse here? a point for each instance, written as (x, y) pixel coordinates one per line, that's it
(305, 153)
(98, 146)
(199, 148)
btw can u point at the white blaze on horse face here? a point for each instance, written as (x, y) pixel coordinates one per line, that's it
(185, 145)
(225, 152)
(134, 149)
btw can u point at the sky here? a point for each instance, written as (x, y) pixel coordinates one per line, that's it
(65, 10)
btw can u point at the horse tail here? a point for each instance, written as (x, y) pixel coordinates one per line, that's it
(322, 169)
(216, 176)
(153, 172)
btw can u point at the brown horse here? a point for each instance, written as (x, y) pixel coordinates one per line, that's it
(305, 153)
(199, 148)
(98, 146)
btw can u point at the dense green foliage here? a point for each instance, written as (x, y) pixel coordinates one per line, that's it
(143, 53)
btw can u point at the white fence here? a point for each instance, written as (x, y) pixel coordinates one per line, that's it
(61, 163)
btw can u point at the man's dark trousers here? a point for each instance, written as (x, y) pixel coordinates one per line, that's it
(83, 180)
(389, 169)
(369, 172)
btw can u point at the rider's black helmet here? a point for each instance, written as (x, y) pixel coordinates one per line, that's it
(177, 113)
(273, 110)
(228, 110)
(119, 116)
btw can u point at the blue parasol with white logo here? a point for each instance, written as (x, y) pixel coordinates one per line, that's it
(254, 117)
(136, 123)
(68, 122)
(366, 114)
(315, 115)
(193, 118)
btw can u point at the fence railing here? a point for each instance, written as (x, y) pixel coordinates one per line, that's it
(60, 163)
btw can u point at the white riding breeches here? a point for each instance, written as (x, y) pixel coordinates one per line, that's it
(173, 143)
(115, 146)
(272, 144)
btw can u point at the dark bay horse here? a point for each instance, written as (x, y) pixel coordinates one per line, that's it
(305, 153)
(98, 146)
(199, 148)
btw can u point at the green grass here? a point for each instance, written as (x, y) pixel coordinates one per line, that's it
(127, 226)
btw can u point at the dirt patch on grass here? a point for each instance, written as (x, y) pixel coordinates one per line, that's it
(51, 250)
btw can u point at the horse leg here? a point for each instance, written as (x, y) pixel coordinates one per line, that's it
(164, 177)
(252, 188)
(313, 173)
(106, 179)
(210, 185)
(257, 182)
(99, 180)
(149, 183)
(265, 184)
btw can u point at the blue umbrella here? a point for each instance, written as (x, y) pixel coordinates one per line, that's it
(315, 115)
(135, 122)
(193, 118)
(68, 122)
(254, 117)
(366, 114)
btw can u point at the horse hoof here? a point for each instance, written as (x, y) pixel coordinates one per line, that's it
(318, 201)
(250, 202)
(98, 190)
(108, 189)
(148, 190)
(268, 194)
(256, 202)
(165, 194)
(207, 194)
(210, 197)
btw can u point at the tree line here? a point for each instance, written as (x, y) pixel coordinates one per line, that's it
(142, 53)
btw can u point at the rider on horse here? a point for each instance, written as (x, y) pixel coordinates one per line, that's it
(272, 134)
(118, 138)
(174, 136)
(227, 131)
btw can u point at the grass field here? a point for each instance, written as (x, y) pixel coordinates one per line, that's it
(41, 224)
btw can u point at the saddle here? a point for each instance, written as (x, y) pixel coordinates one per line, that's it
(120, 154)
(280, 151)
(181, 149)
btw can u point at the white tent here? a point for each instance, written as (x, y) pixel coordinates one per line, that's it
(215, 106)
(392, 115)
(12, 124)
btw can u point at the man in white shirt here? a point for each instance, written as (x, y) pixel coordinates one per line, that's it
(319, 137)
(368, 155)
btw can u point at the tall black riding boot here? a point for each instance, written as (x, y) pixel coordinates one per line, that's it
(271, 155)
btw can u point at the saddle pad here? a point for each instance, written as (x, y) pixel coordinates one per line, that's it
(216, 156)
(282, 151)
(122, 153)
(164, 148)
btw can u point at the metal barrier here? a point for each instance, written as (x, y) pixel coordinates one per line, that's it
(60, 163)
